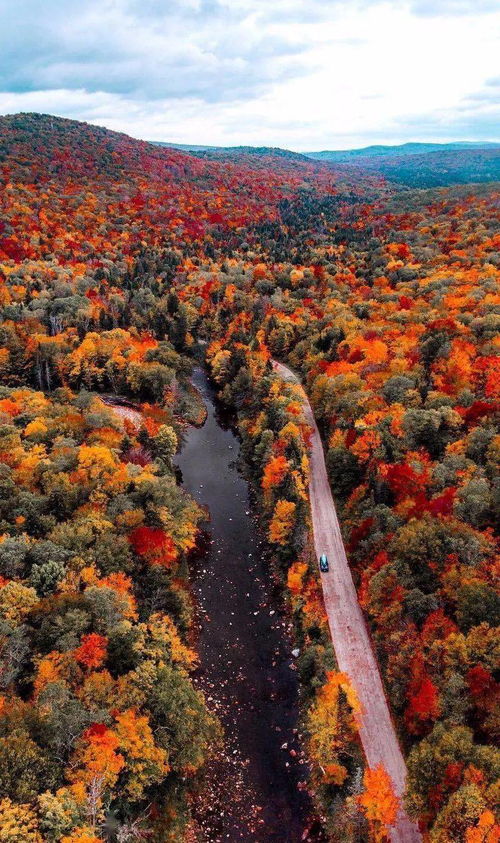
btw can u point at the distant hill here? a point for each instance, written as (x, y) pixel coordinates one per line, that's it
(114, 154)
(435, 169)
(233, 151)
(347, 155)
(187, 147)
(338, 156)
(411, 164)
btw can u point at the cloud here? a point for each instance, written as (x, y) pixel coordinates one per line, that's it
(298, 73)
(212, 50)
(450, 8)
(217, 50)
(476, 116)
(488, 96)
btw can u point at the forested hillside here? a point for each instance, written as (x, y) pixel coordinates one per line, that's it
(438, 168)
(421, 165)
(116, 257)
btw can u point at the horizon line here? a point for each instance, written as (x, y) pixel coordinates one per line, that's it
(324, 149)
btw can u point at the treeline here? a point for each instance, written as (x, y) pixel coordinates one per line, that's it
(101, 730)
(99, 724)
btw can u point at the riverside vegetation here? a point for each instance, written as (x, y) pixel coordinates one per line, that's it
(116, 257)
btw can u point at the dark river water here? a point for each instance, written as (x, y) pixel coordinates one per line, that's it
(253, 789)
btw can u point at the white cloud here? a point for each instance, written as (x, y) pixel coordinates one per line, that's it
(307, 75)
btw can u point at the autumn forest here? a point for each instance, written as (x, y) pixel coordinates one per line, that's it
(124, 267)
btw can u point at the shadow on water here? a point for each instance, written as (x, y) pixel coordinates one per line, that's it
(253, 788)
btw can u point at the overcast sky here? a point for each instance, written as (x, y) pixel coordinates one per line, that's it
(303, 74)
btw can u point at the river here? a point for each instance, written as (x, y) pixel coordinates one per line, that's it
(253, 786)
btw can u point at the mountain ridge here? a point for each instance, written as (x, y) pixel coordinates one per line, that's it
(410, 165)
(408, 148)
(338, 155)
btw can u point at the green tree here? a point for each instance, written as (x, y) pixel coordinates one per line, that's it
(24, 769)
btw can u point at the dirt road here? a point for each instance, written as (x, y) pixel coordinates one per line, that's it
(350, 637)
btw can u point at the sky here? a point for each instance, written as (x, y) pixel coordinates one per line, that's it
(301, 74)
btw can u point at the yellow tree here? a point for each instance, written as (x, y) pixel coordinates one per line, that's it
(84, 834)
(379, 802)
(146, 763)
(331, 724)
(18, 823)
(282, 522)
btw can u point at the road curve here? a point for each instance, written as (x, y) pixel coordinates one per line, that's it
(350, 637)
